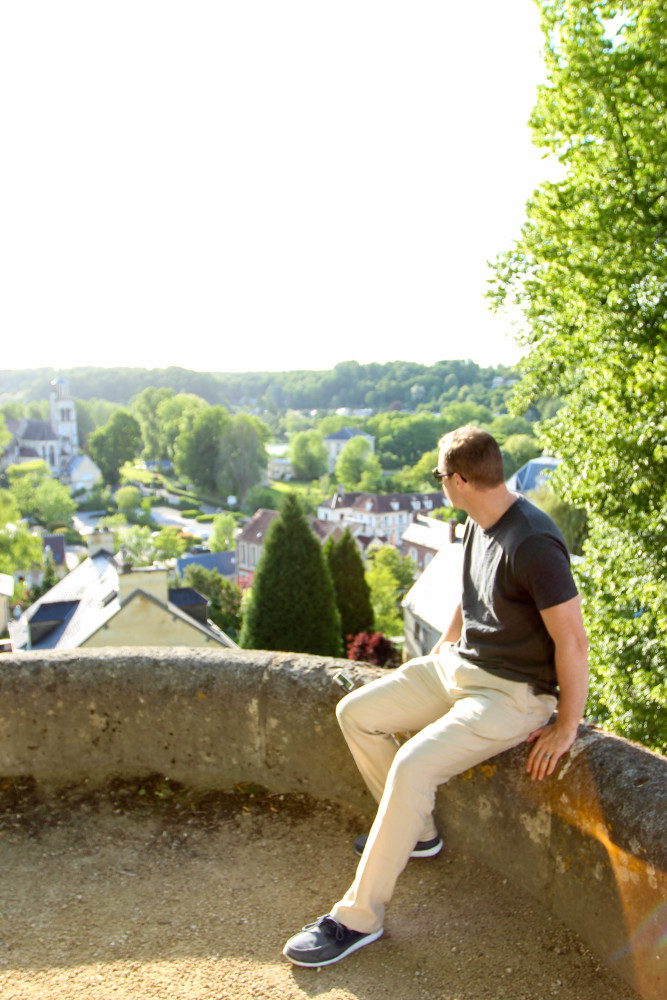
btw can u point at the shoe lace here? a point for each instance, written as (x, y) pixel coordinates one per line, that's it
(329, 925)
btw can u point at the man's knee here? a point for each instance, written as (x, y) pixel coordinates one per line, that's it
(351, 711)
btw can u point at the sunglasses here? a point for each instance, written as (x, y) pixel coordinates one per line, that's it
(439, 476)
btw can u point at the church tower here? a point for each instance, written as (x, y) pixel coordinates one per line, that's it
(63, 420)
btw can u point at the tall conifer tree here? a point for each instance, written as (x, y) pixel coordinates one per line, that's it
(353, 594)
(293, 603)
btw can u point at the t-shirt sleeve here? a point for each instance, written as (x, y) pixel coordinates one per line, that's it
(542, 566)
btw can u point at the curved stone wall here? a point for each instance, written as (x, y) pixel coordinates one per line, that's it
(591, 842)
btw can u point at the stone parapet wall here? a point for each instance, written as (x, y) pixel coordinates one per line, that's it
(591, 841)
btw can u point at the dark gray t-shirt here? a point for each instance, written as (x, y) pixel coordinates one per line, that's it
(511, 571)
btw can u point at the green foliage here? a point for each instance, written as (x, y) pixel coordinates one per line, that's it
(261, 496)
(222, 536)
(145, 408)
(419, 477)
(169, 543)
(136, 542)
(197, 451)
(5, 436)
(19, 549)
(24, 479)
(409, 385)
(402, 438)
(589, 273)
(221, 454)
(224, 597)
(292, 606)
(352, 462)
(119, 441)
(128, 498)
(572, 521)
(53, 503)
(37, 495)
(308, 454)
(390, 575)
(177, 415)
(625, 614)
(353, 596)
(517, 450)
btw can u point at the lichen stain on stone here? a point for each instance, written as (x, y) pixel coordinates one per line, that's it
(537, 825)
(484, 808)
(562, 865)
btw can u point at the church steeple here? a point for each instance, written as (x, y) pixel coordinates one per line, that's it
(63, 419)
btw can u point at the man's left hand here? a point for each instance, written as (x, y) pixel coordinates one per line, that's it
(550, 743)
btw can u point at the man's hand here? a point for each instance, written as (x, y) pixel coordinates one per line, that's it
(550, 743)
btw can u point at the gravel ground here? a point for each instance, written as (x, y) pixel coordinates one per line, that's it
(142, 891)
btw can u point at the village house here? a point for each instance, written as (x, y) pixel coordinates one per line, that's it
(424, 537)
(429, 604)
(382, 516)
(105, 603)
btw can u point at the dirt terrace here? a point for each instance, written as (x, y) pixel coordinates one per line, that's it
(145, 891)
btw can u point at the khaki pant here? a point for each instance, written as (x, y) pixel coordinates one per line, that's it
(462, 715)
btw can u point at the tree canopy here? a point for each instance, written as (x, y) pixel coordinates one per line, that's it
(292, 606)
(119, 441)
(589, 272)
(353, 595)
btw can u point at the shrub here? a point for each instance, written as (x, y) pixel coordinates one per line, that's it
(372, 647)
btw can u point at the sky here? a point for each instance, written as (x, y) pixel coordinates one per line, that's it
(261, 185)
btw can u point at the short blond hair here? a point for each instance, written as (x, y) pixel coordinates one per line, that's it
(474, 454)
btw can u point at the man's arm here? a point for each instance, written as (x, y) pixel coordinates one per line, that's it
(565, 626)
(453, 631)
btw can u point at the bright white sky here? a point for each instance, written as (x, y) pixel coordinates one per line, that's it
(234, 185)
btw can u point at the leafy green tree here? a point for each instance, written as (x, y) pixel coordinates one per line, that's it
(292, 606)
(589, 273)
(372, 478)
(53, 503)
(145, 408)
(136, 542)
(353, 595)
(390, 575)
(223, 455)
(128, 499)
(222, 536)
(572, 521)
(517, 450)
(308, 454)
(117, 442)
(169, 543)
(24, 480)
(224, 597)
(243, 457)
(197, 451)
(419, 477)
(19, 549)
(177, 415)
(352, 461)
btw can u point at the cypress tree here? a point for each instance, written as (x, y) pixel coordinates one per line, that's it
(353, 595)
(292, 606)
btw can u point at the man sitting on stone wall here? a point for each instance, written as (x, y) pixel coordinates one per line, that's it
(515, 648)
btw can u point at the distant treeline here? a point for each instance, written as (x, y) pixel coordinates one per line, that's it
(398, 384)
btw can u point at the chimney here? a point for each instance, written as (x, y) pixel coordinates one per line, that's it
(100, 540)
(153, 580)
